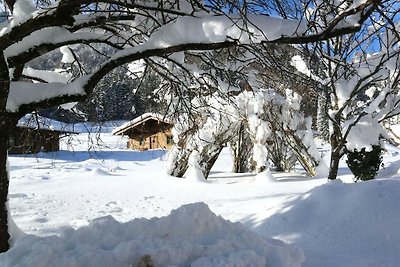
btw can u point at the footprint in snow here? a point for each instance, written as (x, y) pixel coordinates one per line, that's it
(111, 203)
(114, 169)
(116, 210)
(41, 220)
(113, 206)
(18, 195)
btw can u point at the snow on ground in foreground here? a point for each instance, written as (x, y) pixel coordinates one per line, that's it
(191, 235)
(343, 225)
(335, 224)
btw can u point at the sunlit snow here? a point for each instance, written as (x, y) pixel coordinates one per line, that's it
(98, 208)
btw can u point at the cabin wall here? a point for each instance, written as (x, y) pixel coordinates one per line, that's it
(25, 141)
(150, 133)
(160, 140)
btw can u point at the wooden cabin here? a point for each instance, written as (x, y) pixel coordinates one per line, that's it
(35, 134)
(149, 131)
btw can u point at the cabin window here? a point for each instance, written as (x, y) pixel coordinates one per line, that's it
(170, 139)
(141, 141)
(11, 140)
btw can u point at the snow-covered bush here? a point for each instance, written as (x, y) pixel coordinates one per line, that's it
(280, 154)
(260, 126)
(365, 164)
(204, 132)
(279, 130)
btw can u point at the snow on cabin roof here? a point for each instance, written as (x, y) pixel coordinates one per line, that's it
(32, 121)
(142, 118)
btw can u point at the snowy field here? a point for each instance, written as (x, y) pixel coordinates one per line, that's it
(115, 207)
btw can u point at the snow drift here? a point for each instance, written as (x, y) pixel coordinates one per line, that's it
(357, 224)
(190, 235)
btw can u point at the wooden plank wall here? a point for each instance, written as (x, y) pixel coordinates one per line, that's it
(155, 141)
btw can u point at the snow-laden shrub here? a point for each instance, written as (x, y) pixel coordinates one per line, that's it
(205, 132)
(279, 130)
(280, 154)
(260, 126)
(365, 164)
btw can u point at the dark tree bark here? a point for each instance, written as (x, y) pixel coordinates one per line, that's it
(334, 165)
(337, 146)
(280, 153)
(178, 165)
(208, 157)
(10, 4)
(308, 161)
(4, 182)
(7, 124)
(322, 116)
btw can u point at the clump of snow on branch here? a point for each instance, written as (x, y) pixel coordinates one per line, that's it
(23, 10)
(252, 104)
(216, 29)
(27, 93)
(194, 172)
(137, 68)
(298, 62)
(364, 134)
(67, 57)
(344, 88)
(219, 119)
(56, 76)
(222, 28)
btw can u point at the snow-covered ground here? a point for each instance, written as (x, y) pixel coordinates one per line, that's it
(97, 208)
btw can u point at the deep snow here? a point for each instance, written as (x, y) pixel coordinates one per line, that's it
(334, 224)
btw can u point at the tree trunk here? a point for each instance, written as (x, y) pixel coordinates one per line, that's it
(208, 157)
(242, 149)
(323, 117)
(178, 161)
(308, 161)
(280, 153)
(10, 4)
(210, 152)
(336, 152)
(4, 182)
(7, 124)
(334, 164)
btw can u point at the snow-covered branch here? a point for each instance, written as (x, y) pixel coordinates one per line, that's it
(146, 30)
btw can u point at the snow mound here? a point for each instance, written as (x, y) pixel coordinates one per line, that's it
(100, 172)
(190, 235)
(358, 223)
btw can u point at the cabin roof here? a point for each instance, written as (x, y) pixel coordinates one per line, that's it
(121, 130)
(33, 121)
